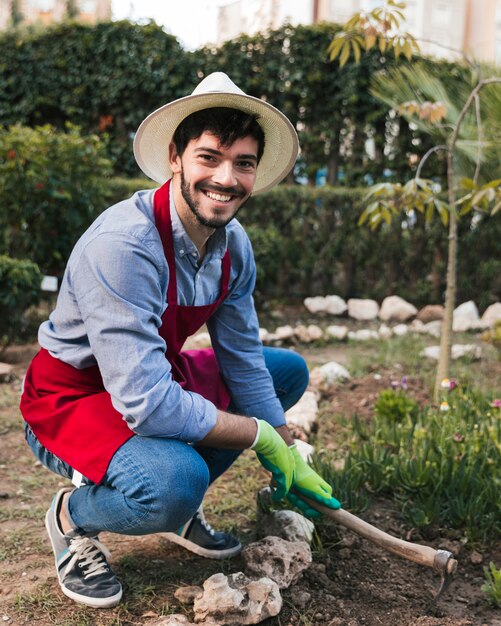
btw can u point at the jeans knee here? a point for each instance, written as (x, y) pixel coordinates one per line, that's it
(175, 500)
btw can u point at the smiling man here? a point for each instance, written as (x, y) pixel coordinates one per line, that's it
(111, 401)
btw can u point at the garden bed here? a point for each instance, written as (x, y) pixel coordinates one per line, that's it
(350, 583)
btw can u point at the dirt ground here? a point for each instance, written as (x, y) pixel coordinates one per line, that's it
(351, 582)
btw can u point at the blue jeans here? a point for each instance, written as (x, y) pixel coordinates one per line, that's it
(155, 484)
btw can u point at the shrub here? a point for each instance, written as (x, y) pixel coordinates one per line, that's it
(492, 585)
(444, 467)
(52, 185)
(19, 288)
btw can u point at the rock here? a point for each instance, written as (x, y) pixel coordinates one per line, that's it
(362, 309)
(384, 332)
(235, 600)
(363, 335)
(337, 332)
(431, 313)
(491, 315)
(465, 317)
(396, 309)
(273, 557)
(264, 335)
(187, 595)
(476, 558)
(329, 373)
(307, 334)
(458, 351)
(304, 413)
(176, 619)
(433, 328)
(6, 373)
(305, 449)
(288, 525)
(283, 332)
(328, 304)
(301, 599)
(469, 350)
(400, 330)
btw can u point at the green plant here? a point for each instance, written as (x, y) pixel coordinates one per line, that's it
(442, 466)
(20, 281)
(493, 336)
(52, 185)
(492, 585)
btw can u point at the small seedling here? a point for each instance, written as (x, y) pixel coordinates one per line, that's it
(492, 585)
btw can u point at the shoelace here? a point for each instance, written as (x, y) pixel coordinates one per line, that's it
(90, 555)
(205, 523)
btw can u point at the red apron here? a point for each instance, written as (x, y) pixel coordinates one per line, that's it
(69, 409)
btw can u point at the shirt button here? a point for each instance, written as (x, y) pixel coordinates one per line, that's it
(194, 254)
(181, 251)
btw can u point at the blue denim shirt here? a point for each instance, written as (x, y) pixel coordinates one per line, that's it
(109, 309)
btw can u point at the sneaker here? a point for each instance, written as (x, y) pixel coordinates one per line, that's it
(82, 569)
(199, 537)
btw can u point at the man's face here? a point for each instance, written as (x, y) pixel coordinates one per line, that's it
(214, 180)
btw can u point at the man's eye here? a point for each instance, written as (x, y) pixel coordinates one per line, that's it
(246, 164)
(207, 157)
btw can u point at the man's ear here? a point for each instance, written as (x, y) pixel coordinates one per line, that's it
(174, 159)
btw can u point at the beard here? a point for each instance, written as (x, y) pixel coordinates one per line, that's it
(214, 222)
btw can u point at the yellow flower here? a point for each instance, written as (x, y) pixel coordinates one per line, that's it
(444, 406)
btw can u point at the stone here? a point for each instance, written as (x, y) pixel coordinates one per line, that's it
(187, 595)
(301, 599)
(465, 317)
(305, 449)
(283, 332)
(276, 558)
(400, 330)
(396, 309)
(433, 328)
(431, 313)
(329, 373)
(307, 334)
(363, 335)
(176, 619)
(304, 413)
(384, 332)
(288, 525)
(264, 335)
(363, 309)
(492, 314)
(337, 332)
(476, 558)
(334, 305)
(6, 373)
(237, 600)
(458, 351)
(468, 349)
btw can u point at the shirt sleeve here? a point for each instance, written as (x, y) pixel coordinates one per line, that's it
(234, 331)
(120, 296)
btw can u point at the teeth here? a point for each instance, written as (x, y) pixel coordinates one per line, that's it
(218, 197)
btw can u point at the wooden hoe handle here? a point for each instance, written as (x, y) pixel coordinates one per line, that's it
(440, 560)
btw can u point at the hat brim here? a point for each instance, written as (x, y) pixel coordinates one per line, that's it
(151, 143)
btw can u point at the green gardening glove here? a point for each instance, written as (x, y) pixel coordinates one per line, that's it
(275, 456)
(307, 482)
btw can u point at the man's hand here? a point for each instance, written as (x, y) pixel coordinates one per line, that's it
(275, 456)
(308, 483)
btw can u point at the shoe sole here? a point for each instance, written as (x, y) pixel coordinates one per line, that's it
(97, 603)
(205, 552)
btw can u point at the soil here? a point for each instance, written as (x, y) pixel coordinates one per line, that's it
(350, 583)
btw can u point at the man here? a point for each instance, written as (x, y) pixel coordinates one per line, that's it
(111, 402)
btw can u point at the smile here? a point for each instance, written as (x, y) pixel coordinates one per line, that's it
(218, 196)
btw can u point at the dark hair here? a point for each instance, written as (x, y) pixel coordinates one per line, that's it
(226, 124)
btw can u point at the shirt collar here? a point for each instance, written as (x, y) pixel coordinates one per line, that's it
(183, 245)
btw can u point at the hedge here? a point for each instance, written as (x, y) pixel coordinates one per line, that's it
(20, 282)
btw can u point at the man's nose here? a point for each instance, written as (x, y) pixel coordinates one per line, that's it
(224, 174)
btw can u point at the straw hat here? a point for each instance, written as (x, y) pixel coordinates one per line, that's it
(151, 143)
